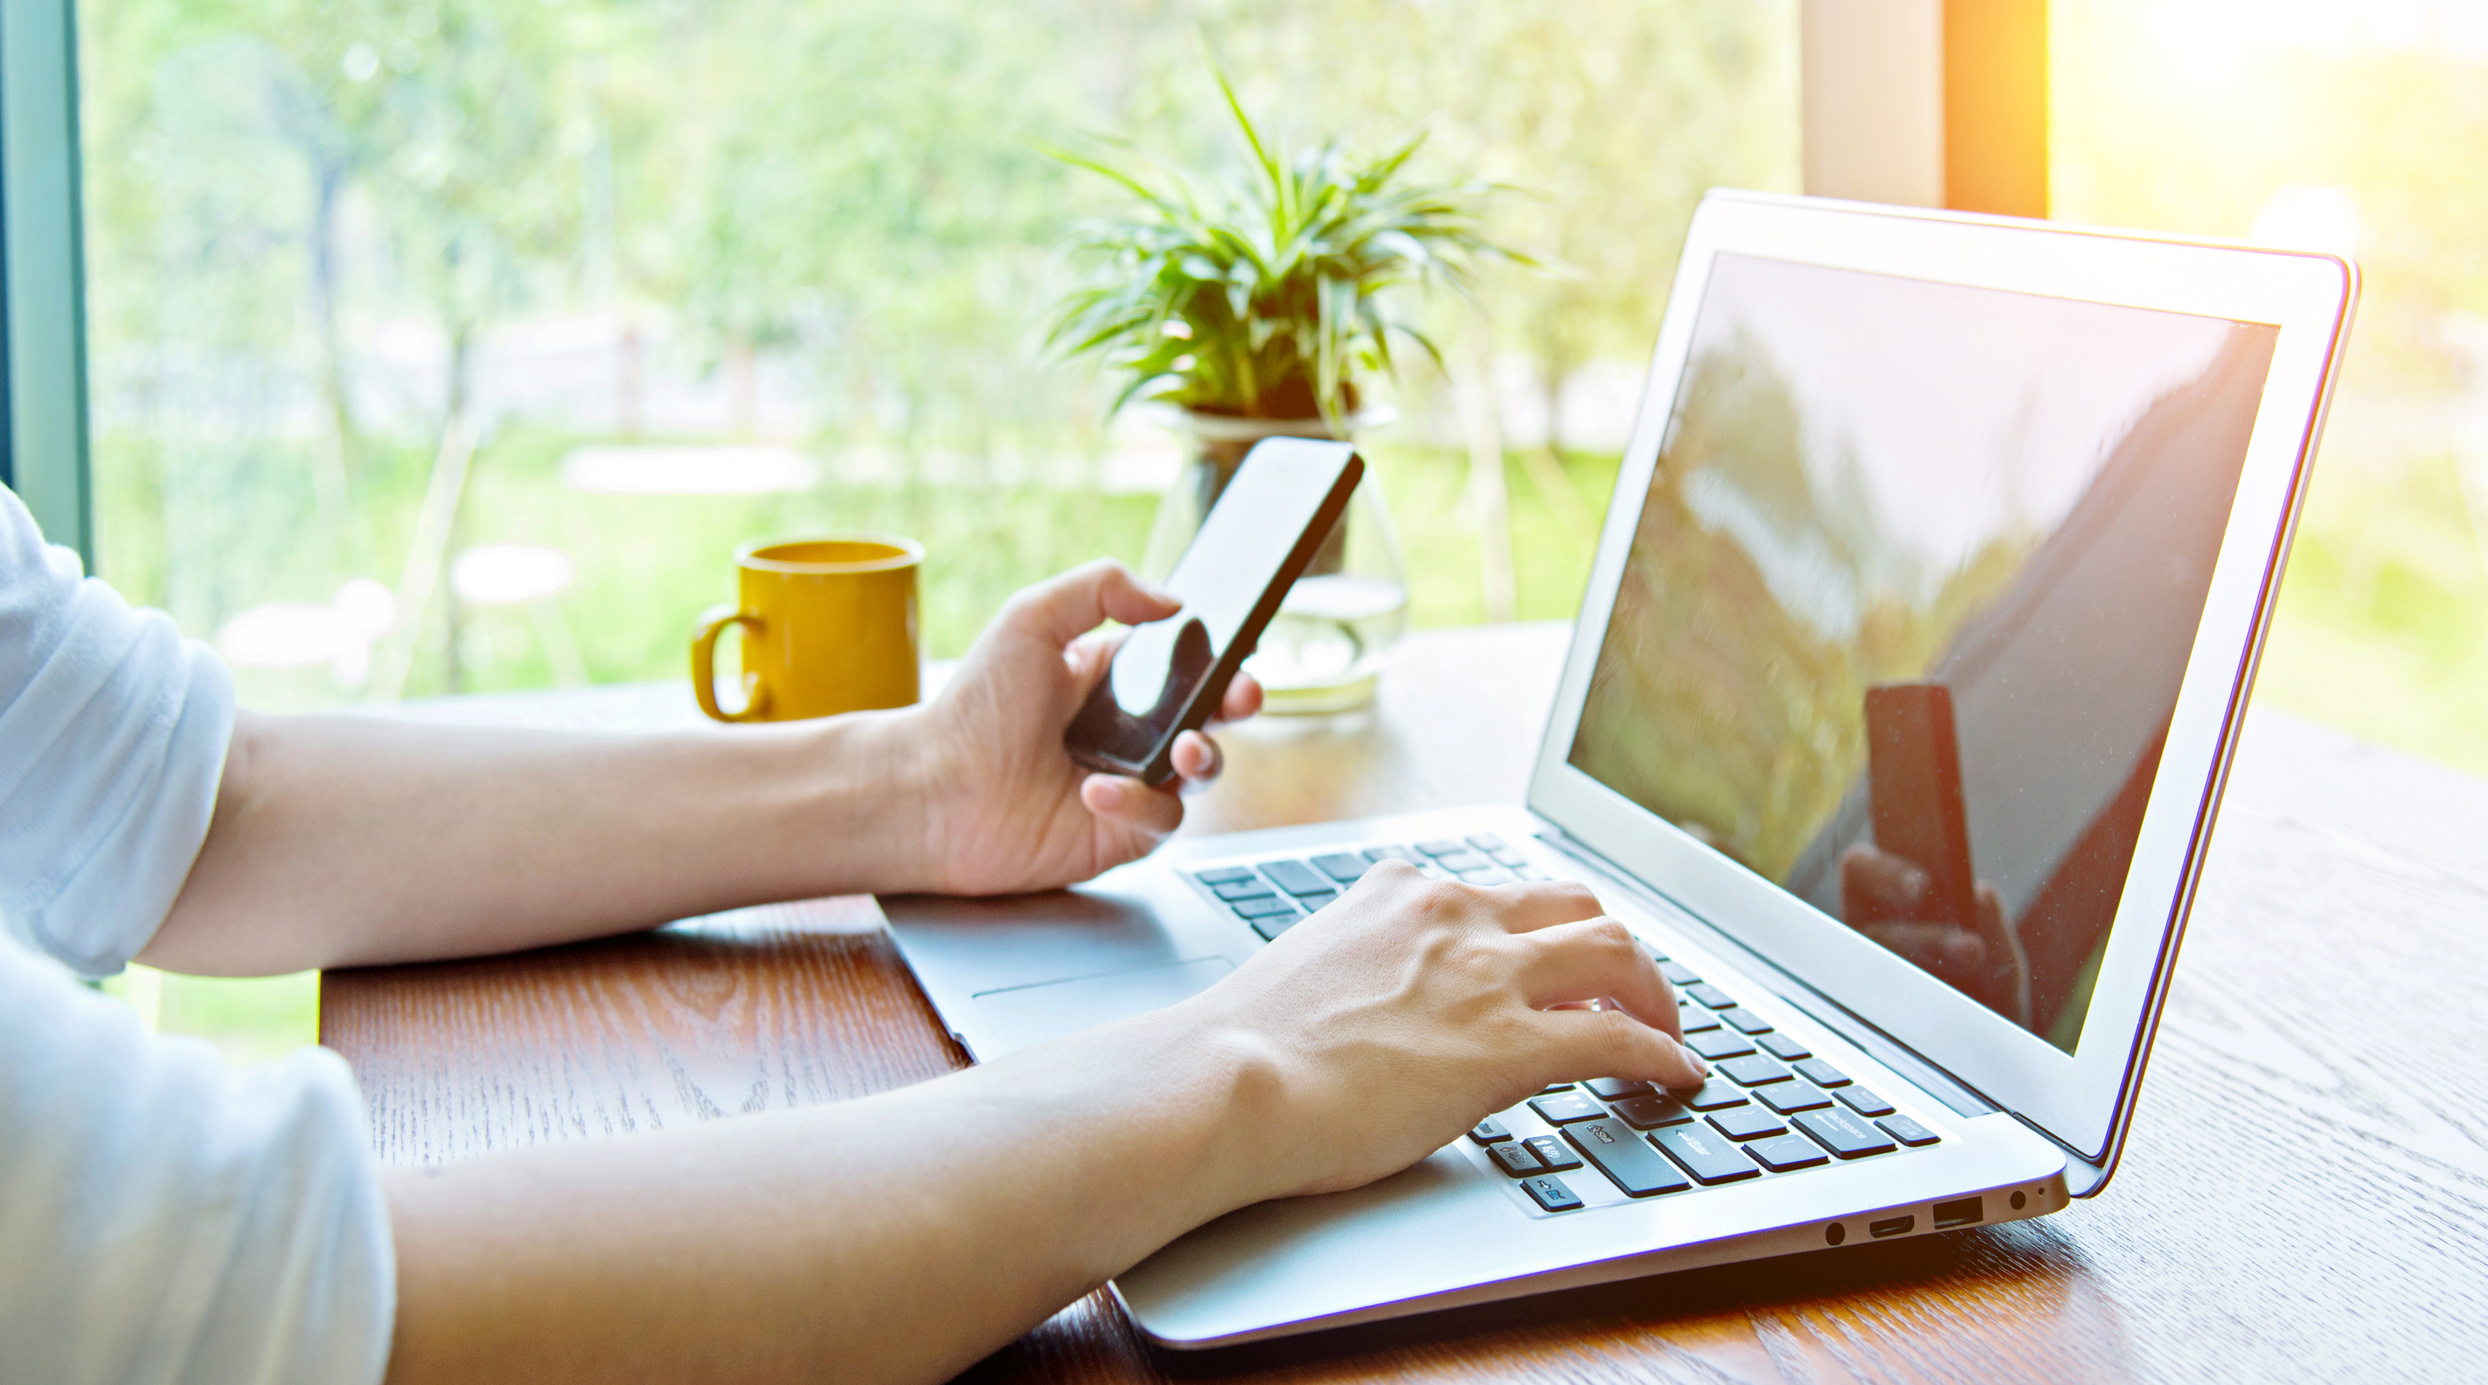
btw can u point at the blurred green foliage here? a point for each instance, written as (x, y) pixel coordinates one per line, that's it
(309, 218)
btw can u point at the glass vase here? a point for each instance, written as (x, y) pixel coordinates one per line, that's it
(1325, 649)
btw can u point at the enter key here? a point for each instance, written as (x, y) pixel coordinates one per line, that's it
(1630, 1163)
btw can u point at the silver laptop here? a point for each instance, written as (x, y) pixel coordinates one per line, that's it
(1895, 718)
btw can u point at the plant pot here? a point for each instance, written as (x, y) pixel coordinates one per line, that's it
(1325, 649)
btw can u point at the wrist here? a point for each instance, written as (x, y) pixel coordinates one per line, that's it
(1227, 1092)
(870, 781)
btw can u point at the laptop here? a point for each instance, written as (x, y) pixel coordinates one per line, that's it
(1894, 721)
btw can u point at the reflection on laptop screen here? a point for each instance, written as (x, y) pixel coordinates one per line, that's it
(1908, 605)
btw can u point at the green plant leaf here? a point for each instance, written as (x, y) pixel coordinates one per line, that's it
(1266, 293)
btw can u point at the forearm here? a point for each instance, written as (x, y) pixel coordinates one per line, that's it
(346, 840)
(900, 1237)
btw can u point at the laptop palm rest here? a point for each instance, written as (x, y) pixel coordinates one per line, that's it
(1026, 1015)
(1012, 972)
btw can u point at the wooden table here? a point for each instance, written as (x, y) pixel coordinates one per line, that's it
(2305, 1194)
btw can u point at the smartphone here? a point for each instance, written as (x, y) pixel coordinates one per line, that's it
(1913, 771)
(1170, 675)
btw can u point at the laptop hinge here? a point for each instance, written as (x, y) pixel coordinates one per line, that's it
(1964, 1099)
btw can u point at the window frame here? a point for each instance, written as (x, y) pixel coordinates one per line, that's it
(43, 407)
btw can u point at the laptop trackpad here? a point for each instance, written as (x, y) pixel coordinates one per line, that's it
(1025, 1015)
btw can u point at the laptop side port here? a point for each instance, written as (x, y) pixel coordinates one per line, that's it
(1967, 1211)
(1892, 1226)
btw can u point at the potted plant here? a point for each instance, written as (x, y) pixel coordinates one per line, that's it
(1256, 302)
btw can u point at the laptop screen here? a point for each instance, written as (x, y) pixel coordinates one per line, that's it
(1907, 607)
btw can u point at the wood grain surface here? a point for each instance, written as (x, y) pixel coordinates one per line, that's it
(2304, 1195)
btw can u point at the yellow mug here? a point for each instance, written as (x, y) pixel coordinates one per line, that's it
(829, 626)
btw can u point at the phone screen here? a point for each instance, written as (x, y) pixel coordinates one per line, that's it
(1245, 546)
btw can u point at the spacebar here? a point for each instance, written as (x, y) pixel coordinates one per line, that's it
(1627, 1160)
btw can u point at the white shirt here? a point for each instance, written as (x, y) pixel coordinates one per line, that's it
(162, 1217)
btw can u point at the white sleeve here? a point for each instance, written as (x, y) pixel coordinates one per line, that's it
(112, 739)
(164, 1218)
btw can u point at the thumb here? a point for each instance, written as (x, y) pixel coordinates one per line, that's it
(1061, 609)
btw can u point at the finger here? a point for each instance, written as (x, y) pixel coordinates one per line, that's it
(1243, 698)
(1879, 885)
(1611, 1043)
(1061, 609)
(1132, 804)
(1088, 655)
(1527, 906)
(1598, 959)
(1197, 758)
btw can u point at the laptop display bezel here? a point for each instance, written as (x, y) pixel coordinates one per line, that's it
(2081, 1098)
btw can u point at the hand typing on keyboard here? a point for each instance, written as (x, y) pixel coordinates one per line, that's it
(1395, 1018)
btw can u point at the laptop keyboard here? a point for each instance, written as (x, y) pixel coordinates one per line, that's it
(1770, 1107)
(1273, 895)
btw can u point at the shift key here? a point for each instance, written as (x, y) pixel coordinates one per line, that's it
(1629, 1162)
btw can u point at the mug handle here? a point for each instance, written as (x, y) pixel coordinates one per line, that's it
(713, 623)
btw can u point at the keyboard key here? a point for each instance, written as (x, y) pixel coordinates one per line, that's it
(1317, 899)
(1516, 1159)
(1346, 867)
(1241, 889)
(1747, 1123)
(1263, 906)
(1555, 1087)
(1489, 1132)
(1746, 1020)
(1785, 1153)
(1823, 1074)
(1564, 1107)
(1678, 973)
(1790, 1097)
(1710, 995)
(1696, 1018)
(1844, 1134)
(1651, 1112)
(1295, 877)
(1486, 841)
(1441, 848)
(1753, 1071)
(1551, 1152)
(1491, 875)
(1508, 858)
(1864, 1102)
(1390, 853)
(1784, 1048)
(1716, 1044)
(1270, 928)
(1530, 873)
(1616, 1088)
(1711, 1096)
(1550, 1193)
(1908, 1131)
(1710, 1159)
(1220, 875)
(1628, 1162)
(1461, 862)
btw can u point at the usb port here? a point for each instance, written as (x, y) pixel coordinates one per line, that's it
(1960, 1212)
(1892, 1226)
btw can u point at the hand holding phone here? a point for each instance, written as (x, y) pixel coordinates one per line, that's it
(1169, 675)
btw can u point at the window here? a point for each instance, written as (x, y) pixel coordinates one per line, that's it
(447, 346)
